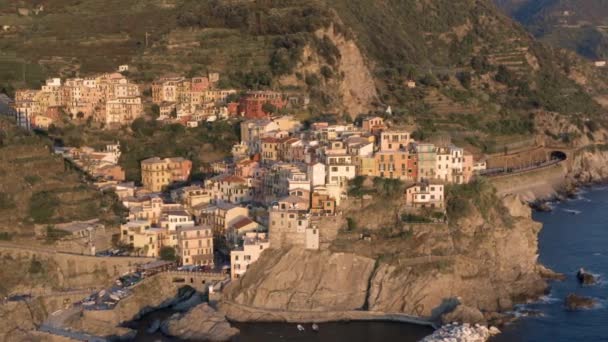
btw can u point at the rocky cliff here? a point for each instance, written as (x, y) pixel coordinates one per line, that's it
(492, 264)
(303, 280)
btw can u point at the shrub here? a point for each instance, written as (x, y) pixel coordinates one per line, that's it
(43, 206)
(32, 179)
(35, 267)
(351, 224)
(168, 253)
(6, 201)
(53, 234)
(411, 218)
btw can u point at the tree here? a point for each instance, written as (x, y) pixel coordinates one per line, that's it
(80, 115)
(465, 79)
(327, 72)
(168, 253)
(234, 97)
(504, 75)
(155, 111)
(269, 108)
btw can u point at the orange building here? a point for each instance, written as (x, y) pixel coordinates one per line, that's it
(396, 164)
(252, 104)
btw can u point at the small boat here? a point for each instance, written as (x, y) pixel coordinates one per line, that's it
(315, 327)
(300, 327)
(114, 297)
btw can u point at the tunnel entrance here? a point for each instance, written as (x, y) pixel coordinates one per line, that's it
(558, 155)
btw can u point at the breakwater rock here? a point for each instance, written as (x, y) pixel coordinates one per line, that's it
(462, 333)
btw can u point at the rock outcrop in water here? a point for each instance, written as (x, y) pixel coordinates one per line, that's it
(575, 302)
(585, 277)
(201, 323)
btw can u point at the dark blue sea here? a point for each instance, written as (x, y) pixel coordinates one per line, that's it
(574, 235)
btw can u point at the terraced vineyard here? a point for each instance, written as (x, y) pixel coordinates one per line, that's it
(36, 187)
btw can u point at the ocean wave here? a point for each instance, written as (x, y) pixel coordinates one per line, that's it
(547, 299)
(572, 211)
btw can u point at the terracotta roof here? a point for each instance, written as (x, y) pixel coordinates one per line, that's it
(242, 223)
(229, 179)
(270, 140)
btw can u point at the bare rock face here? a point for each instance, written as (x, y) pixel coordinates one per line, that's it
(547, 273)
(19, 319)
(494, 266)
(590, 166)
(487, 261)
(304, 280)
(202, 323)
(575, 302)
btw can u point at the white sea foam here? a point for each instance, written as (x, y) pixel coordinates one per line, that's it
(572, 211)
(548, 299)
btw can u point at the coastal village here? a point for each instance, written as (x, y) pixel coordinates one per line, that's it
(283, 185)
(303, 170)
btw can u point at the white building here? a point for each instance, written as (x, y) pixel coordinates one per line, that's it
(317, 174)
(175, 219)
(340, 169)
(253, 246)
(425, 196)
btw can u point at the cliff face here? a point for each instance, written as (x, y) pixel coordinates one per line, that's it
(494, 267)
(590, 165)
(302, 280)
(492, 264)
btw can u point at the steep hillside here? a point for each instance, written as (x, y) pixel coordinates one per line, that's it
(576, 25)
(479, 74)
(36, 187)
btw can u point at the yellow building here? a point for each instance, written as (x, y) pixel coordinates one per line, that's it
(270, 149)
(145, 240)
(366, 166)
(195, 245)
(157, 173)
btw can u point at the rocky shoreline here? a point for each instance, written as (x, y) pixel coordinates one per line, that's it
(245, 314)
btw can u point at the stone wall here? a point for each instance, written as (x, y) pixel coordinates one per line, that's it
(78, 271)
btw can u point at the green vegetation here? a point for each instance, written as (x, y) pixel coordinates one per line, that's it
(351, 224)
(411, 218)
(463, 199)
(147, 138)
(388, 188)
(43, 206)
(53, 234)
(36, 267)
(32, 179)
(6, 201)
(168, 253)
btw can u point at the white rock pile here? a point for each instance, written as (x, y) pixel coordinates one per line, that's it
(455, 332)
